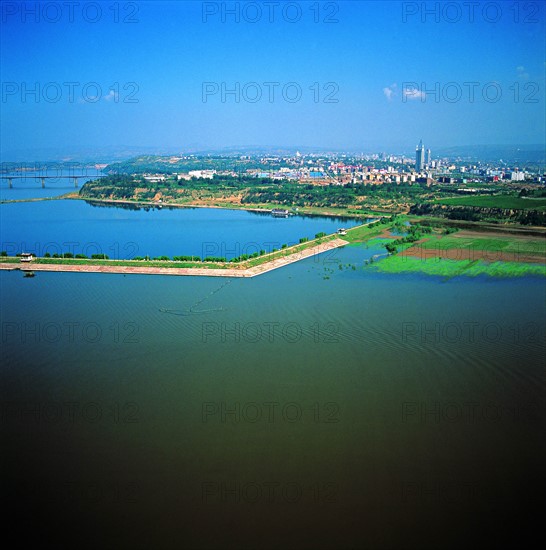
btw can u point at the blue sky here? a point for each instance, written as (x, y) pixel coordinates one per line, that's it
(359, 67)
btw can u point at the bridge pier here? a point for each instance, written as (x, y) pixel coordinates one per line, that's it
(43, 178)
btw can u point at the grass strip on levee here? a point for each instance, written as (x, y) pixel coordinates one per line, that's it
(247, 268)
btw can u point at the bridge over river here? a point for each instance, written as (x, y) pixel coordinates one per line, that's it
(73, 177)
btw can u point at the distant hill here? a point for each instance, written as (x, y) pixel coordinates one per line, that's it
(91, 154)
(510, 154)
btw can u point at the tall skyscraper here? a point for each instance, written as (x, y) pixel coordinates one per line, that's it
(420, 156)
(428, 158)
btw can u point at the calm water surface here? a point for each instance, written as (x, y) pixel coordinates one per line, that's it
(123, 233)
(317, 406)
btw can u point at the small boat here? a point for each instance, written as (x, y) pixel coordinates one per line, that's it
(29, 274)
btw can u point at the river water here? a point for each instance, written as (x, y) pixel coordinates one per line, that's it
(121, 232)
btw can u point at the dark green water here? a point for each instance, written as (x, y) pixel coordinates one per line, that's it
(291, 410)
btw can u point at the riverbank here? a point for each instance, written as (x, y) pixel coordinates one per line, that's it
(260, 208)
(30, 199)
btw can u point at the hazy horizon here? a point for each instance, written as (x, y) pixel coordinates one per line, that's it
(117, 153)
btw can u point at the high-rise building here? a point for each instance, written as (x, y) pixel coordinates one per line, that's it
(428, 158)
(420, 157)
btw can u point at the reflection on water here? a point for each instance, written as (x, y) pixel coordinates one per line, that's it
(361, 410)
(264, 214)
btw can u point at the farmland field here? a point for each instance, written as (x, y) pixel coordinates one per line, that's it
(454, 268)
(488, 243)
(511, 202)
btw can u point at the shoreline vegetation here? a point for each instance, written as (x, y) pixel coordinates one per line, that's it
(413, 244)
(333, 212)
(498, 204)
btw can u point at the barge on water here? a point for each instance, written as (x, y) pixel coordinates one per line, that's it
(279, 213)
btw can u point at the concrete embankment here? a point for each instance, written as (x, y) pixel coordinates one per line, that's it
(193, 271)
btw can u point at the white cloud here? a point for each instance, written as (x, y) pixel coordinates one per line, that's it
(413, 93)
(522, 73)
(111, 96)
(390, 91)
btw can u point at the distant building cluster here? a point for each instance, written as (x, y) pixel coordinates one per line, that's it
(352, 169)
